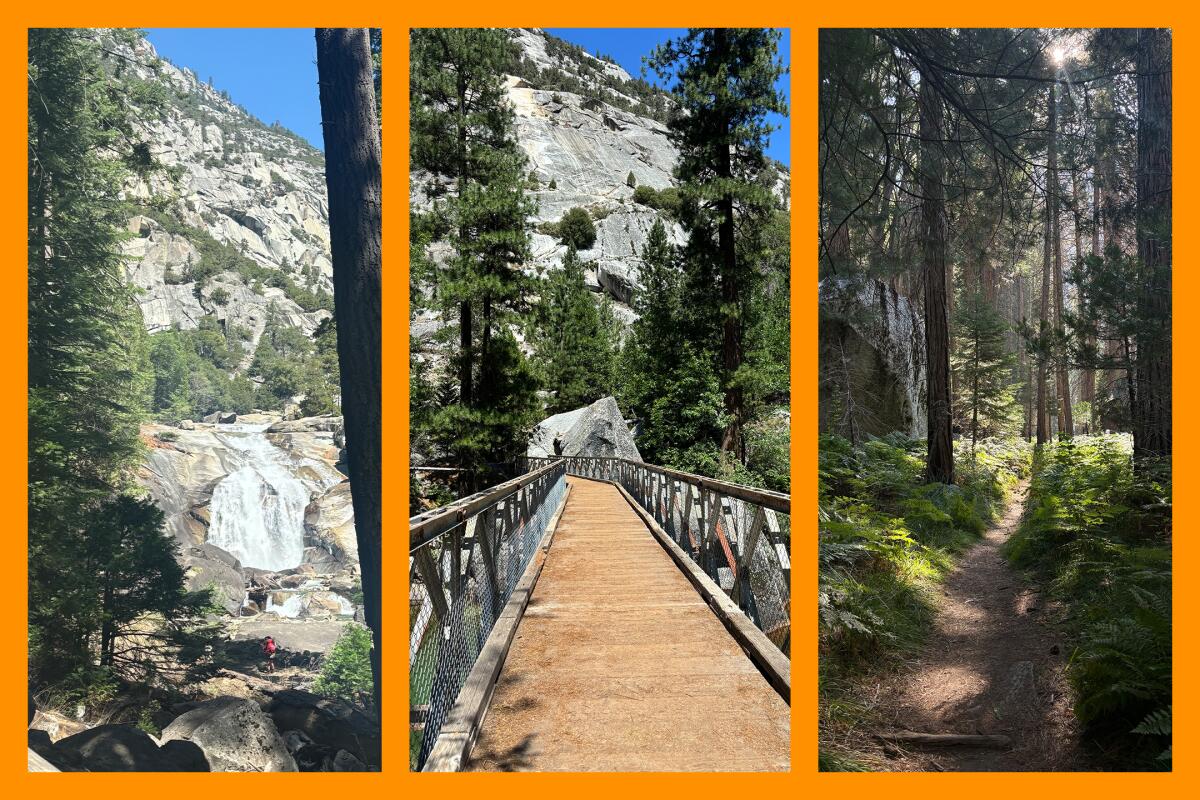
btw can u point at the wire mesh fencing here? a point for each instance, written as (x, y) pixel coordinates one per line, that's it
(464, 561)
(739, 535)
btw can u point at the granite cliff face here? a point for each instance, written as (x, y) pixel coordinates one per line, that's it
(259, 189)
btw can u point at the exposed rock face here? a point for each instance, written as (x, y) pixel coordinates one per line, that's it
(259, 189)
(182, 473)
(595, 430)
(885, 322)
(235, 735)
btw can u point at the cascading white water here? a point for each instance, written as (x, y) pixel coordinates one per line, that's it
(258, 508)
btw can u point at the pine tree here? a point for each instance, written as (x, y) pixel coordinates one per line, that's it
(574, 346)
(983, 364)
(725, 87)
(463, 133)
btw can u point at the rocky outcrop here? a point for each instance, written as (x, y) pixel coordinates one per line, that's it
(327, 723)
(235, 735)
(871, 318)
(595, 430)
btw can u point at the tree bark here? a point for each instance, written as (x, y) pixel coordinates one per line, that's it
(353, 178)
(731, 324)
(940, 461)
(1152, 421)
(1065, 423)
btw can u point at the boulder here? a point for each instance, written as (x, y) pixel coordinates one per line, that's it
(345, 761)
(307, 425)
(235, 735)
(126, 748)
(208, 565)
(187, 425)
(595, 430)
(227, 418)
(327, 723)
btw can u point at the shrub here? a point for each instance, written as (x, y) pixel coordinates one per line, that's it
(552, 185)
(631, 181)
(219, 295)
(346, 673)
(167, 436)
(576, 229)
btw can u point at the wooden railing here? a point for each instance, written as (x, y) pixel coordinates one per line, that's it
(464, 560)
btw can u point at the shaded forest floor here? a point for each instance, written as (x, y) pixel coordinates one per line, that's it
(993, 664)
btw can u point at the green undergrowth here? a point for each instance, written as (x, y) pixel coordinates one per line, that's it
(1097, 535)
(886, 541)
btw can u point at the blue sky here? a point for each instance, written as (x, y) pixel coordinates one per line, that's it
(271, 72)
(628, 45)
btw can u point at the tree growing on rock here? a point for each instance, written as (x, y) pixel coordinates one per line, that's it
(576, 229)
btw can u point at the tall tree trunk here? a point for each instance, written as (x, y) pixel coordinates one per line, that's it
(466, 343)
(1065, 423)
(1152, 424)
(353, 178)
(1087, 389)
(940, 461)
(1043, 422)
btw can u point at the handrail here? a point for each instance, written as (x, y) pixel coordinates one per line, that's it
(464, 561)
(763, 497)
(433, 523)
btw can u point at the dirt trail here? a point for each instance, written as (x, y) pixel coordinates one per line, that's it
(993, 664)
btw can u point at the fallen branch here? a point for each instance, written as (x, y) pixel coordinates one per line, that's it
(945, 739)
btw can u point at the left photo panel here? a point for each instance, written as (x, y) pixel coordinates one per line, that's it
(204, 271)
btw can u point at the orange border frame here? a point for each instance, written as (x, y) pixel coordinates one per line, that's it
(396, 19)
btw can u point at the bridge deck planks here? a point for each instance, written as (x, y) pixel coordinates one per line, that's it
(619, 665)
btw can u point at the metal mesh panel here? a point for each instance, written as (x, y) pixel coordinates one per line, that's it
(460, 581)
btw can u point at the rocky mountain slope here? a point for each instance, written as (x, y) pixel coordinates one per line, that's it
(234, 181)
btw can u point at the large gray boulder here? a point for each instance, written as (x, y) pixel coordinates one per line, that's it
(122, 748)
(595, 430)
(235, 735)
(206, 565)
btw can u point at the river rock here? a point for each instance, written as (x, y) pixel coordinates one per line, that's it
(187, 425)
(595, 430)
(307, 425)
(329, 523)
(235, 735)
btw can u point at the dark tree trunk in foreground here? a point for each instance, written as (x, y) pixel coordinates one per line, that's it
(1152, 415)
(1066, 424)
(940, 465)
(353, 178)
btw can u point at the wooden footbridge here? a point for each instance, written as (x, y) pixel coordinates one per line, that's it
(601, 615)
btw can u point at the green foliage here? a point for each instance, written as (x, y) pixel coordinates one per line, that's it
(219, 295)
(1098, 532)
(576, 229)
(631, 180)
(661, 199)
(576, 348)
(346, 671)
(552, 185)
(87, 381)
(291, 364)
(887, 539)
(982, 363)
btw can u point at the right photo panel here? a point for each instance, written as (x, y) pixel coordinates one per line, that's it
(599, 539)
(994, 411)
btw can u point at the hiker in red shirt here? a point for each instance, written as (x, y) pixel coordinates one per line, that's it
(269, 648)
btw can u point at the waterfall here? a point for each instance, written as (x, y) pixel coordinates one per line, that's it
(258, 508)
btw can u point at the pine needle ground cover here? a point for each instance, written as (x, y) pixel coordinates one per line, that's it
(1097, 535)
(887, 540)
